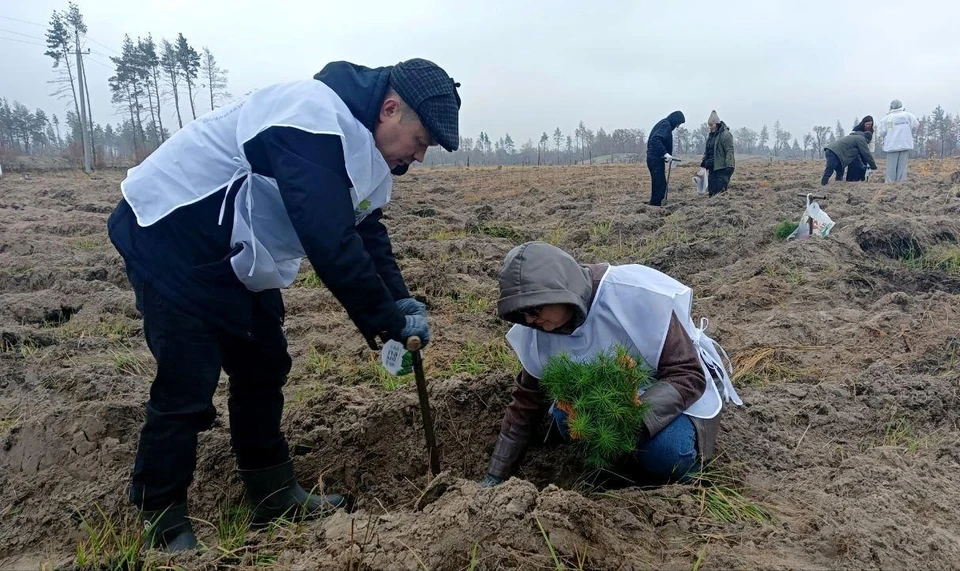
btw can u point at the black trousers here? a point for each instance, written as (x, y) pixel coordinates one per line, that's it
(857, 171)
(658, 176)
(190, 354)
(718, 180)
(833, 166)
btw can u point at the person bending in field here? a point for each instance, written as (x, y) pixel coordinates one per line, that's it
(857, 171)
(560, 306)
(844, 151)
(215, 222)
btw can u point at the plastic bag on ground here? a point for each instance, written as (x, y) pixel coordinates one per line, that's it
(700, 181)
(821, 222)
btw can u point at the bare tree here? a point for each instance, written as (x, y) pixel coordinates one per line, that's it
(746, 139)
(781, 139)
(215, 77)
(822, 133)
(557, 139)
(808, 143)
(764, 137)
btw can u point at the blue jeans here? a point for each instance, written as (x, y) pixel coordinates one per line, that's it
(670, 456)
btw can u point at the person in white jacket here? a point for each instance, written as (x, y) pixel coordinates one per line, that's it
(897, 130)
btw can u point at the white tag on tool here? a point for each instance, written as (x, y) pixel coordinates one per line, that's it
(395, 358)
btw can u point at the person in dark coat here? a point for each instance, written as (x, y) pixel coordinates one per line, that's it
(216, 221)
(857, 171)
(844, 151)
(659, 152)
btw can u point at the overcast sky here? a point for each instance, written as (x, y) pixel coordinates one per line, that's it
(528, 67)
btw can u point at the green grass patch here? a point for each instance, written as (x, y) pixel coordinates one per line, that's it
(941, 258)
(372, 373)
(233, 550)
(721, 498)
(600, 230)
(474, 304)
(555, 235)
(108, 326)
(87, 243)
(901, 433)
(131, 363)
(793, 276)
(477, 358)
(444, 234)
(308, 279)
(783, 230)
(499, 231)
(642, 252)
(28, 349)
(317, 363)
(109, 543)
(9, 419)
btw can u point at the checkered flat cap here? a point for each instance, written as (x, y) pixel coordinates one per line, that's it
(432, 94)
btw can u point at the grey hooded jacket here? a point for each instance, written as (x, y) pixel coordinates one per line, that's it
(536, 274)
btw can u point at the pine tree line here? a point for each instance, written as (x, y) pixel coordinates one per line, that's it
(149, 79)
(938, 136)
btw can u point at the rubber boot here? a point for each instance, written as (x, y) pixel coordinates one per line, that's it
(274, 493)
(169, 529)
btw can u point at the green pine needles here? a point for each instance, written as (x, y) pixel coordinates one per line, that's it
(604, 413)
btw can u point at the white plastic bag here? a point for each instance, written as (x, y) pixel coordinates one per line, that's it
(700, 181)
(821, 222)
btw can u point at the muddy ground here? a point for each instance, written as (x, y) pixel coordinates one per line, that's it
(845, 454)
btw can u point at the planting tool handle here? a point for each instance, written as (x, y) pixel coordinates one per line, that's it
(433, 454)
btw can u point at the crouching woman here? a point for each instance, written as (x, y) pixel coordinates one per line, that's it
(559, 307)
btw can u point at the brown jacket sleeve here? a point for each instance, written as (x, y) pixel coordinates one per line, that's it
(679, 380)
(520, 421)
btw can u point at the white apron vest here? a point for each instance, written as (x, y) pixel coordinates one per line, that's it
(207, 155)
(632, 307)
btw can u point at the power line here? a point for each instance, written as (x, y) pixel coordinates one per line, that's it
(23, 42)
(23, 21)
(67, 23)
(99, 53)
(103, 46)
(21, 34)
(88, 58)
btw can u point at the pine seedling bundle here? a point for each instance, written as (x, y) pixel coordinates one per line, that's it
(604, 412)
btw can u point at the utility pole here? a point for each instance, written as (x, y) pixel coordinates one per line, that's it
(93, 142)
(83, 107)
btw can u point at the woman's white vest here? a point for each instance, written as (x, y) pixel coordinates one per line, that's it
(207, 155)
(632, 307)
